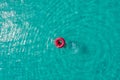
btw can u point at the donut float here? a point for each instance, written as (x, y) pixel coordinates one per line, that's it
(60, 42)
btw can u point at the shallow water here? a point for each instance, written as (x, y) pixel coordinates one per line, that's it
(91, 29)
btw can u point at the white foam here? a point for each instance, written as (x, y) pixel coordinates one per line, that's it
(75, 48)
(2, 5)
(7, 14)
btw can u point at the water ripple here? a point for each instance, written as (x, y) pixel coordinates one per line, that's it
(27, 39)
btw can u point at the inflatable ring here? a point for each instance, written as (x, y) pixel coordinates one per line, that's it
(60, 42)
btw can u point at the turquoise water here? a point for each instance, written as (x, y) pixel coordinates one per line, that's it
(91, 29)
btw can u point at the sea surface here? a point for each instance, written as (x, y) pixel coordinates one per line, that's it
(91, 29)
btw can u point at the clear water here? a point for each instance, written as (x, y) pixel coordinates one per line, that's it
(91, 29)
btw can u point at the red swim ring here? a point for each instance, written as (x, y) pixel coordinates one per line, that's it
(59, 42)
